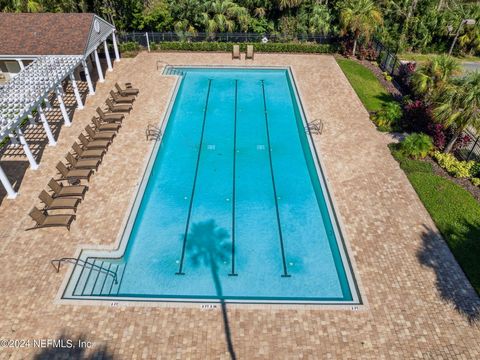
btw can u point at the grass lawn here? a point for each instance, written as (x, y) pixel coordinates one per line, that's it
(366, 85)
(454, 210)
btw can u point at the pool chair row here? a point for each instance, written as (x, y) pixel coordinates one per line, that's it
(84, 158)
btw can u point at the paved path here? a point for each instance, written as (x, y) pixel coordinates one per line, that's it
(418, 302)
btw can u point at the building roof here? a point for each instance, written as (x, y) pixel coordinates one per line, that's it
(47, 33)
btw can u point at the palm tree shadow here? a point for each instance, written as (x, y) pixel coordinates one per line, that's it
(207, 245)
(61, 350)
(451, 281)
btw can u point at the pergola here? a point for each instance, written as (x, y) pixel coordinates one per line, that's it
(27, 94)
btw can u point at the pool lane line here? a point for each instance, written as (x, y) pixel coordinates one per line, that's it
(234, 174)
(282, 247)
(182, 258)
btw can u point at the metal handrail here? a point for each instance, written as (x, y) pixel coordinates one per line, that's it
(315, 127)
(162, 62)
(83, 263)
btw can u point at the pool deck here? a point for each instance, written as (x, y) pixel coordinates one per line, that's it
(419, 303)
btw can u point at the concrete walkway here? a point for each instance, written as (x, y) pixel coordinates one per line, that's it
(418, 302)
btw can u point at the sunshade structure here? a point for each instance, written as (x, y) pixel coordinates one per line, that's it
(60, 46)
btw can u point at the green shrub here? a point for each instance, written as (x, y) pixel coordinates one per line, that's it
(129, 46)
(475, 170)
(416, 145)
(259, 47)
(388, 117)
(456, 168)
(476, 181)
(409, 165)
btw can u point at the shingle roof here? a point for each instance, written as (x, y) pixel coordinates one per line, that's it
(44, 33)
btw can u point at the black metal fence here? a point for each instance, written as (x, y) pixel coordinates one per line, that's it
(470, 150)
(387, 58)
(155, 37)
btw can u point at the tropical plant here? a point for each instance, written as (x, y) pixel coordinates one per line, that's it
(416, 145)
(456, 168)
(222, 15)
(431, 78)
(458, 106)
(388, 117)
(360, 18)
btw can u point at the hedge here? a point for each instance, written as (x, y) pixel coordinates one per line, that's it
(259, 47)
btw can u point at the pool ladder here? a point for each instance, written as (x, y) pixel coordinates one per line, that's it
(315, 127)
(171, 70)
(152, 132)
(57, 262)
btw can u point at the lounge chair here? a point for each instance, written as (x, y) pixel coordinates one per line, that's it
(105, 127)
(107, 117)
(236, 52)
(127, 91)
(82, 163)
(121, 99)
(66, 191)
(93, 144)
(118, 107)
(45, 220)
(58, 203)
(73, 174)
(250, 52)
(99, 135)
(87, 154)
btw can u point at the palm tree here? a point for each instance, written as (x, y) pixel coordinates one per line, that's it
(287, 4)
(458, 106)
(359, 17)
(430, 79)
(220, 15)
(319, 20)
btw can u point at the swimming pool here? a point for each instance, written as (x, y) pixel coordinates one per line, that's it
(233, 204)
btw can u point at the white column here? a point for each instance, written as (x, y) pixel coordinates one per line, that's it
(91, 91)
(99, 67)
(31, 120)
(48, 131)
(26, 148)
(107, 55)
(63, 109)
(115, 47)
(20, 63)
(48, 104)
(13, 139)
(12, 194)
(77, 93)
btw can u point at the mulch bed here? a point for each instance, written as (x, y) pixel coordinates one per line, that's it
(464, 183)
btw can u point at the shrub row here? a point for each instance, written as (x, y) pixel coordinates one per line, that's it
(457, 168)
(259, 47)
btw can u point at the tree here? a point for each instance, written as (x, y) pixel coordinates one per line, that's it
(23, 6)
(155, 17)
(431, 78)
(316, 19)
(223, 15)
(458, 106)
(359, 17)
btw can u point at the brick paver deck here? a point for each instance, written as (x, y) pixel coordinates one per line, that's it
(419, 303)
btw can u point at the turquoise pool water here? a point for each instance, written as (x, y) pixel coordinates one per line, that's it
(232, 205)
